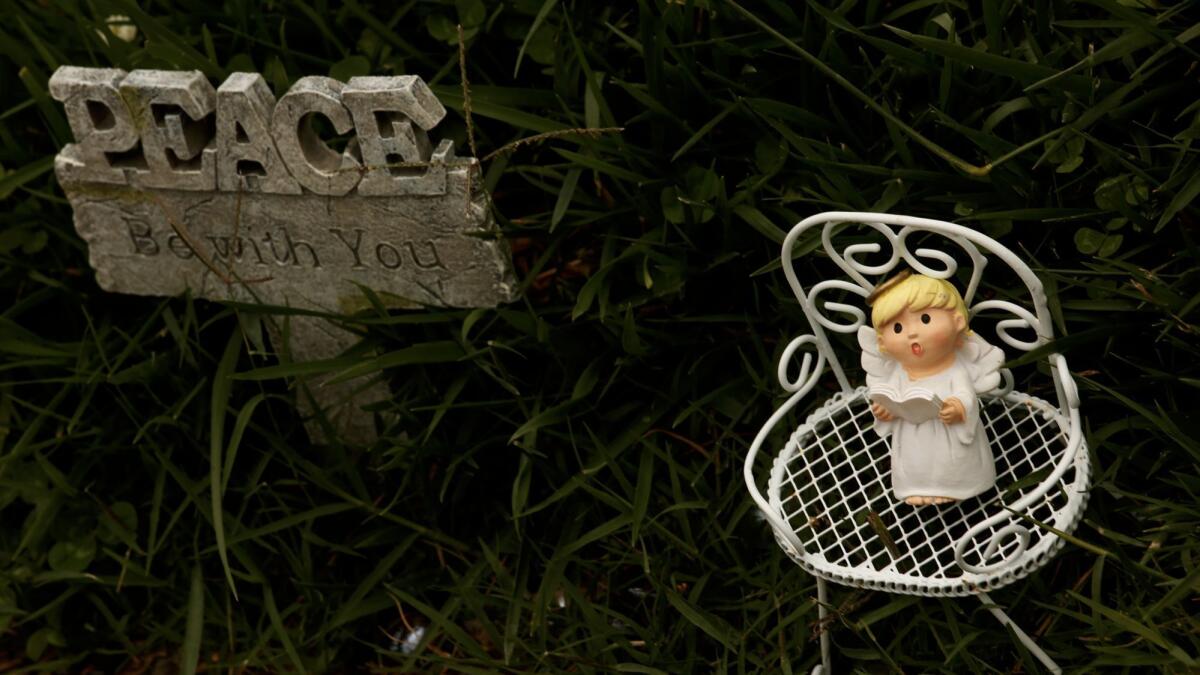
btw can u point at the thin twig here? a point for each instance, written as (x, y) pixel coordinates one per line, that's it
(186, 235)
(466, 89)
(529, 140)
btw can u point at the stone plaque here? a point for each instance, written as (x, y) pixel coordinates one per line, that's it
(233, 195)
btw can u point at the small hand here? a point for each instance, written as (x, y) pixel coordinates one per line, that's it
(952, 411)
(881, 412)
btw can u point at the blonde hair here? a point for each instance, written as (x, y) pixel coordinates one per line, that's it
(915, 293)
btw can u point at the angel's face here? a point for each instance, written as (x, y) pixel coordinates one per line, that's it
(922, 340)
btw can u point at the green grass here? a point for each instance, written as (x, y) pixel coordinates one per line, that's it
(568, 496)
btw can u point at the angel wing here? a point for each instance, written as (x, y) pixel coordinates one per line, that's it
(982, 361)
(878, 366)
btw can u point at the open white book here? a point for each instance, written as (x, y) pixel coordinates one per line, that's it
(916, 405)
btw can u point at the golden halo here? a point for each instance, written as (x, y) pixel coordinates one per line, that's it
(886, 285)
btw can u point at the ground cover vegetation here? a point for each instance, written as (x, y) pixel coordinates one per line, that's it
(559, 486)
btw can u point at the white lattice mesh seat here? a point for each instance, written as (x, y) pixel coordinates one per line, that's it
(832, 484)
(829, 496)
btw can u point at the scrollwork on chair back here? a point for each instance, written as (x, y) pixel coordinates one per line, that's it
(894, 237)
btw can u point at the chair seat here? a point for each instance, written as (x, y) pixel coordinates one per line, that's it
(831, 484)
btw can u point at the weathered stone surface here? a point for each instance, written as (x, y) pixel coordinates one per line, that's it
(311, 339)
(308, 251)
(232, 196)
(385, 110)
(99, 120)
(169, 110)
(247, 159)
(314, 164)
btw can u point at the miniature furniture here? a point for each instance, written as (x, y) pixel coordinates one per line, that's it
(828, 492)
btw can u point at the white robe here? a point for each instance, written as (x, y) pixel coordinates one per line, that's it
(934, 459)
(931, 458)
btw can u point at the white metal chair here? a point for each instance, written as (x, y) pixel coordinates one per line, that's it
(828, 494)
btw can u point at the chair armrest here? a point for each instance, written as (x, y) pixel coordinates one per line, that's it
(1073, 447)
(799, 387)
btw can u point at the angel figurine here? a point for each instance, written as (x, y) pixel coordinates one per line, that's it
(925, 369)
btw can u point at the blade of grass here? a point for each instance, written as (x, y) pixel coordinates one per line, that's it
(716, 627)
(566, 193)
(221, 386)
(542, 13)
(708, 126)
(190, 656)
(235, 441)
(1128, 624)
(949, 157)
(280, 628)
(481, 106)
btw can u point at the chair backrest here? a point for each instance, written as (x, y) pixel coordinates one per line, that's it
(895, 231)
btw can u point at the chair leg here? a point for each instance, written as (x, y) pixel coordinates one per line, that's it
(1004, 619)
(822, 612)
